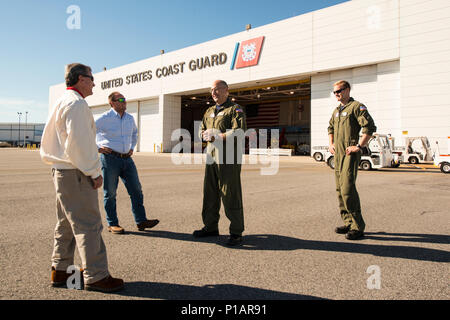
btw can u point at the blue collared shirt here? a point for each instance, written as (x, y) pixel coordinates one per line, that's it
(115, 132)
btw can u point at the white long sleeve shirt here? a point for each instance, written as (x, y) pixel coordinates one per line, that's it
(68, 140)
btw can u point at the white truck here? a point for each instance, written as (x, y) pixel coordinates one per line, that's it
(318, 152)
(416, 150)
(442, 161)
(379, 156)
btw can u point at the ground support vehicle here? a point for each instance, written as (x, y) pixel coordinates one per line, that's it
(367, 162)
(378, 154)
(442, 161)
(416, 150)
(318, 152)
(380, 144)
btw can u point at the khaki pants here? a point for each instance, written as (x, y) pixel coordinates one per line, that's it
(79, 224)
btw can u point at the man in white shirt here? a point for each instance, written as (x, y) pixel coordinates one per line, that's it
(68, 145)
(116, 140)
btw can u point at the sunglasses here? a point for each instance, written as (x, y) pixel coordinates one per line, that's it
(90, 77)
(339, 91)
(120, 100)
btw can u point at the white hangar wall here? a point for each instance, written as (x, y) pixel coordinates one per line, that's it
(355, 33)
(425, 69)
(394, 52)
(357, 41)
(408, 96)
(149, 125)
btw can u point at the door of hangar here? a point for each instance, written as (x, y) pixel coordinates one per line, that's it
(149, 126)
(283, 106)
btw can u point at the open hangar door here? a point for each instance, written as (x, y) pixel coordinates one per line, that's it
(283, 106)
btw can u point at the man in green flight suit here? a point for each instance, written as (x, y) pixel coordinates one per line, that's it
(348, 119)
(222, 126)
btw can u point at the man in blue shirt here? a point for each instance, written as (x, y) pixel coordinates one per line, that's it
(116, 140)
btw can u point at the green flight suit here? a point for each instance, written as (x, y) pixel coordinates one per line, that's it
(345, 124)
(222, 175)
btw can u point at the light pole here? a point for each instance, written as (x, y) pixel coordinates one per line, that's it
(25, 130)
(18, 140)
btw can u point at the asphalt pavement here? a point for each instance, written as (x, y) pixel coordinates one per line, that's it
(290, 250)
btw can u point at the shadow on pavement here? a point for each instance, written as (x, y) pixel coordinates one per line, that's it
(170, 291)
(277, 242)
(409, 237)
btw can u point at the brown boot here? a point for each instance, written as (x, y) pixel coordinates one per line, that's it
(116, 229)
(108, 284)
(147, 224)
(59, 278)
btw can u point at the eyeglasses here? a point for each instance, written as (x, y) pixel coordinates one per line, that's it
(339, 91)
(87, 76)
(120, 100)
(215, 89)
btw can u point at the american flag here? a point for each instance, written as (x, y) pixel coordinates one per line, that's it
(267, 116)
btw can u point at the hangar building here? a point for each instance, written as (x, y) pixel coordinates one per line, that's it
(395, 54)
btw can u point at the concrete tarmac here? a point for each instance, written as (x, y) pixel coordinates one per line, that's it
(290, 250)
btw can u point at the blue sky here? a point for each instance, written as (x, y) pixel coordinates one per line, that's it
(36, 43)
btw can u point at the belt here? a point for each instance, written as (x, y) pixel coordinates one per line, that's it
(120, 155)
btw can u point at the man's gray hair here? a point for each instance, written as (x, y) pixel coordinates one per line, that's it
(74, 71)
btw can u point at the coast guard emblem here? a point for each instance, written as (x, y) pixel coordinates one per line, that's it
(247, 53)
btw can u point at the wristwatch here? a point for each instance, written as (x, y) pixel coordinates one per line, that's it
(359, 146)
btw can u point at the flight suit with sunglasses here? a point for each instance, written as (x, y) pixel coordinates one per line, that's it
(348, 120)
